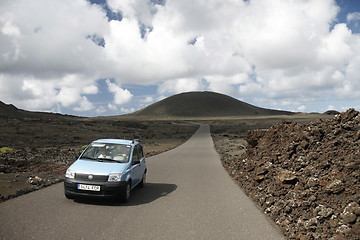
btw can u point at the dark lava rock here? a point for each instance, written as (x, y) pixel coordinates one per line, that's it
(335, 187)
(312, 189)
(287, 177)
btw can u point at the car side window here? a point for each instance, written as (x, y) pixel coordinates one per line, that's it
(136, 154)
(141, 152)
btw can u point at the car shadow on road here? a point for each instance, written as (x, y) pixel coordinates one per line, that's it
(149, 193)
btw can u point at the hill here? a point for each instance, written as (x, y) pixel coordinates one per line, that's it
(203, 104)
(10, 111)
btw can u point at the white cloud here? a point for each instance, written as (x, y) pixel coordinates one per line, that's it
(127, 110)
(147, 99)
(289, 44)
(112, 107)
(92, 89)
(54, 37)
(27, 92)
(141, 10)
(68, 96)
(85, 105)
(100, 110)
(226, 84)
(301, 108)
(180, 85)
(45, 51)
(355, 16)
(336, 47)
(250, 88)
(121, 96)
(331, 107)
(257, 50)
(8, 28)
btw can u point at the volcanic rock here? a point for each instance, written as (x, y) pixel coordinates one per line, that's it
(287, 177)
(314, 176)
(335, 186)
(35, 180)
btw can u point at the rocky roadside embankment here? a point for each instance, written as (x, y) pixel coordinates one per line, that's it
(29, 169)
(306, 177)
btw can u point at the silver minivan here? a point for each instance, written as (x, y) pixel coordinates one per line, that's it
(107, 168)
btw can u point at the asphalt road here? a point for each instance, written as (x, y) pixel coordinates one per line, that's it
(188, 195)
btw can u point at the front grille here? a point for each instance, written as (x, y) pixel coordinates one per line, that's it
(90, 192)
(96, 178)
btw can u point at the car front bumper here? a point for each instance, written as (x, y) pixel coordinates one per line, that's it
(107, 189)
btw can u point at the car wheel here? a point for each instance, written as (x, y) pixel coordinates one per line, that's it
(143, 181)
(126, 193)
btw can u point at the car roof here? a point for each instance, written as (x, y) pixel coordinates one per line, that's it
(117, 141)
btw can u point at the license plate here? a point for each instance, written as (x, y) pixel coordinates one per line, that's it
(89, 187)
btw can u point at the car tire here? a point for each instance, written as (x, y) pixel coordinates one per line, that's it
(126, 193)
(143, 181)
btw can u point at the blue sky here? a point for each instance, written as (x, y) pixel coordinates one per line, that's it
(111, 57)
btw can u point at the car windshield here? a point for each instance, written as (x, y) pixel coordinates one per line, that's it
(108, 151)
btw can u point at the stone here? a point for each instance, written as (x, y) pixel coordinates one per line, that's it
(356, 211)
(311, 223)
(335, 187)
(312, 182)
(353, 207)
(287, 177)
(259, 178)
(326, 213)
(343, 229)
(312, 198)
(348, 218)
(308, 236)
(35, 180)
(356, 228)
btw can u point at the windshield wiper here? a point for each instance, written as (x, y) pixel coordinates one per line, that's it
(109, 160)
(105, 159)
(88, 158)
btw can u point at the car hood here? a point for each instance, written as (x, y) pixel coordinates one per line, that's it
(96, 167)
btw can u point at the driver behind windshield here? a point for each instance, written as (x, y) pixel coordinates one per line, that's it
(117, 152)
(102, 153)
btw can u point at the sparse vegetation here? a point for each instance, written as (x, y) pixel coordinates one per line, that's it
(5, 149)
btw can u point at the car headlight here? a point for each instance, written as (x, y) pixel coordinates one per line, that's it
(70, 173)
(115, 177)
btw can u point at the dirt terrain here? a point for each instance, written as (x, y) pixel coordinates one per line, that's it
(305, 176)
(36, 152)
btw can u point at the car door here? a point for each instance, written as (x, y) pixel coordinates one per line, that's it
(137, 169)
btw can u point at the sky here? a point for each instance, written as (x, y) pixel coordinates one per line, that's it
(112, 57)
